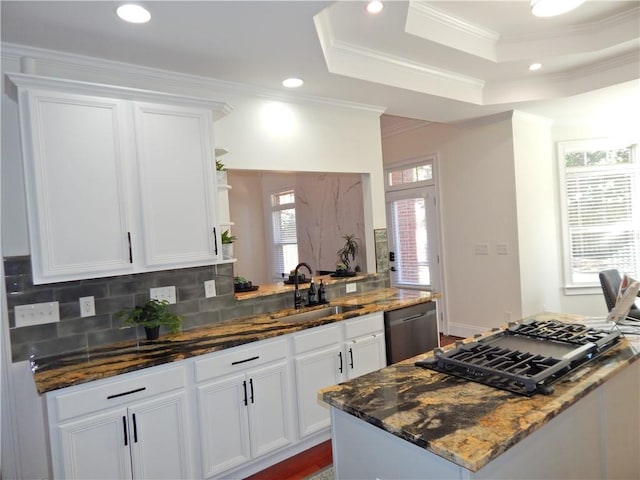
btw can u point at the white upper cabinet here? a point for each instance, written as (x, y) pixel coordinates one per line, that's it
(176, 174)
(117, 180)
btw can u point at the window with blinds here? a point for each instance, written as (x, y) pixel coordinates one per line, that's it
(285, 237)
(601, 190)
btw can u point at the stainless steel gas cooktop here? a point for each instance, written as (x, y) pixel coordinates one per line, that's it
(526, 358)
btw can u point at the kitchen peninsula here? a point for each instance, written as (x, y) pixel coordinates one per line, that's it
(438, 426)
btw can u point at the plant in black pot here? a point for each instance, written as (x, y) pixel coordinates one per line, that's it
(152, 315)
(347, 254)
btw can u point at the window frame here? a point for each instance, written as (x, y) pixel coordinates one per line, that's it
(563, 148)
(272, 208)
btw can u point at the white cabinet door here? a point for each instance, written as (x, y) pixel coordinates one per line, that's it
(314, 371)
(76, 149)
(269, 411)
(365, 355)
(95, 448)
(224, 426)
(159, 438)
(243, 416)
(177, 187)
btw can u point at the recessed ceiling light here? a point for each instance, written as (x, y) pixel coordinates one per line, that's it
(535, 66)
(292, 82)
(551, 8)
(375, 6)
(133, 13)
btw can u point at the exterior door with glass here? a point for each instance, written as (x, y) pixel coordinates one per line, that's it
(413, 238)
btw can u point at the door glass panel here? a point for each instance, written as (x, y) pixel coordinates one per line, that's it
(410, 239)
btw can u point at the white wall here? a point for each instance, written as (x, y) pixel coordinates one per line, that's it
(477, 205)
(538, 215)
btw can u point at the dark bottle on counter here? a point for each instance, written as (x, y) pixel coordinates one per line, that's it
(311, 293)
(322, 296)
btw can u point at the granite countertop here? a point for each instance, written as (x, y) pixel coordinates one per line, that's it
(51, 373)
(465, 422)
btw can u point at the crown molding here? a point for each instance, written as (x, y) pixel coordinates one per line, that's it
(458, 24)
(430, 23)
(94, 66)
(403, 125)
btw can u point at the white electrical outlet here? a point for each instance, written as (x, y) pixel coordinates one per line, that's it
(87, 307)
(163, 293)
(37, 313)
(210, 288)
(351, 287)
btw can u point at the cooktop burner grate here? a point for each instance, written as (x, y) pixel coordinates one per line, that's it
(526, 358)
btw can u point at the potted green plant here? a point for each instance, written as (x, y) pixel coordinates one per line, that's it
(227, 244)
(348, 253)
(153, 314)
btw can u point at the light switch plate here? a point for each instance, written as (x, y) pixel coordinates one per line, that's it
(482, 249)
(351, 287)
(37, 314)
(163, 293)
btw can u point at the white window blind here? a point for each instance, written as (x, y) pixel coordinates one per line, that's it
(602, 211)
(285, 237)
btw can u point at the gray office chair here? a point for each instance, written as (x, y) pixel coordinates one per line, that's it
(610, 282)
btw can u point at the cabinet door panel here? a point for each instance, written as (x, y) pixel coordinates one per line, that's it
(365, 355)
(175, 174)
(269, 412)
(159, 438)
(224, 429)
(314, 371)
(75, 184)
(96, 448)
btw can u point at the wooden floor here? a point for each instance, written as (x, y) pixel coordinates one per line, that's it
(316, 458)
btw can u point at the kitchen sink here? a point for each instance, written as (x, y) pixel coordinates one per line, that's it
(320, 313)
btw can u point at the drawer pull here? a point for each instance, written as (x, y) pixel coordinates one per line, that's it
(245, 360)
(130, 392)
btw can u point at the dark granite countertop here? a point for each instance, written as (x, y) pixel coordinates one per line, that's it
(465, 422)
(51, 373)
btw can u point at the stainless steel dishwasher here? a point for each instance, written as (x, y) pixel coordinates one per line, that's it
(410, 331)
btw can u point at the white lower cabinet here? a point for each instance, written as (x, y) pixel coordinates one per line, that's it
(145, 434)
(231, 411)
(329, 355)
(245, 415)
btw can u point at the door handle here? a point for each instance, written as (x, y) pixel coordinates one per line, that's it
(124, 428)
(351, 358)
(251, 386)
(340, 356)
(244, 386)
(135, 429)
(392, 256)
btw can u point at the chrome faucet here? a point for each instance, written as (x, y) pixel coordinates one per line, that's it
(297, 299)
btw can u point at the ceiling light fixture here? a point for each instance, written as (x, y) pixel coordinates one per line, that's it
(292, 82)
(375, 6)
(133, 13)
(535, 66)
(551, 8)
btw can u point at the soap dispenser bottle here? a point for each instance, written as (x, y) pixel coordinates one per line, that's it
(311, 293)
(322, 296)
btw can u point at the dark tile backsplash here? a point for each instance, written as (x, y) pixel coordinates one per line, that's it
(113, 294)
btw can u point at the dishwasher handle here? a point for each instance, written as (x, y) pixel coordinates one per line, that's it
(398, 321)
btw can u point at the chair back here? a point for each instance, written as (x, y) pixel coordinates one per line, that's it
(610, 282)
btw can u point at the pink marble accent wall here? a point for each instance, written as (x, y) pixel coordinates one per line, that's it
(328, 206)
